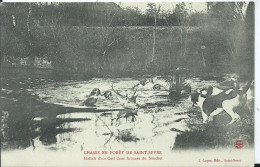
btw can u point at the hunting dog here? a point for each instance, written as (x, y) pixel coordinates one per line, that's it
(213, 101)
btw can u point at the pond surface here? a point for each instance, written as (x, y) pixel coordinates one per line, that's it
(51, 115)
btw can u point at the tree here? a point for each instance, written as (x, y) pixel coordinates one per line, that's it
(183, 19)
(225, 25)
(247, 57)
(153, 11)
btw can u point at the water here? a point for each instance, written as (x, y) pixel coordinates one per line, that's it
(50, 115)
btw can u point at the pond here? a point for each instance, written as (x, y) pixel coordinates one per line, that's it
(47, 115)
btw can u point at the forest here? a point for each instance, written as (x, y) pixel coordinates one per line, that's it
(105, 39)
(102, 76)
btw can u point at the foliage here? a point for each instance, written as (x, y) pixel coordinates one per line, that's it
(214, 41)
(227, 26)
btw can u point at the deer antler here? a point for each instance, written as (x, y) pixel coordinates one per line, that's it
(112, 87)
(135, 85)
(134, 92)
(132, 98)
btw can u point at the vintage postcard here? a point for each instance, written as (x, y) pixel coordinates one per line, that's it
(127, 84)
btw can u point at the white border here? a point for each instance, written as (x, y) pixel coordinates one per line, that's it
(257, 51)
(124, 0)
(257, 83)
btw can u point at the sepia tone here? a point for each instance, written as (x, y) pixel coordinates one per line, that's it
(150, 84)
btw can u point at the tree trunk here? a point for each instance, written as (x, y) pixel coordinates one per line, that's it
(181, 43)
(13, 18)
(203, 60)
(31, 56)
(154, 41)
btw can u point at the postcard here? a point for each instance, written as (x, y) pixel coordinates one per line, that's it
(127, 84)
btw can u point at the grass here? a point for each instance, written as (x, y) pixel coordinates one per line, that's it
(217, 134)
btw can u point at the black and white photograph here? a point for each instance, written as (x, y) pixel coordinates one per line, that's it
(127, 83)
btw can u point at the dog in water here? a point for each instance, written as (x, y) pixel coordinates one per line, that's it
(213, 101)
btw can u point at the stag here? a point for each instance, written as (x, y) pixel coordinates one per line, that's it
(128, 111)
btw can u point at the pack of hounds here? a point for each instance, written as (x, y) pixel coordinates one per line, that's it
(211, 100)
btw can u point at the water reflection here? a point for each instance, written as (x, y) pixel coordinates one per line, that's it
(51, 127)
(20, 124)
(16, 130)
(27, 121)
